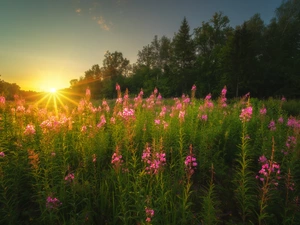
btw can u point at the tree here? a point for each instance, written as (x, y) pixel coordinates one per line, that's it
(184, 51)
(210, 40)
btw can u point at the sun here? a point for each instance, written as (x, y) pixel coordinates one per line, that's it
(52, 90)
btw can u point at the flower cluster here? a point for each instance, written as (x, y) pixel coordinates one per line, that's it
(149, 214)
(116, 160)
(272, 125)
(70, 177)
(55, 124)
(263, 111)
(128, 114)
(29, 130)
(208, 102)
(223, 99)
(2, 101)
(190, 163)
(155, 161)
(102, 121)
(52, 203)
(269, 170)
(246, 114)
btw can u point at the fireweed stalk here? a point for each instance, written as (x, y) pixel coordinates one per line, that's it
(269, 175)
(243, 179)
(190, 167)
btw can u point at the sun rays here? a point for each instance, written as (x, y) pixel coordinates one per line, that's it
(57, 100)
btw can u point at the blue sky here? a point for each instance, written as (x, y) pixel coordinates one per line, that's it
(46, 43)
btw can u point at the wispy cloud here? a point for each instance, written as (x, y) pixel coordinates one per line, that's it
(78, 11)
(103, 24)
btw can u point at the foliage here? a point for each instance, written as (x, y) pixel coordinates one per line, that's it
(136, 160)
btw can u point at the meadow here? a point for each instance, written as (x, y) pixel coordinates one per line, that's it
(147, 160)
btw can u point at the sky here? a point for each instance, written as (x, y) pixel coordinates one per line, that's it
(46, 43)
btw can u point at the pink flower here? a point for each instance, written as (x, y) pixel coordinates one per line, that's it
(194, 87)
(190, 163)
(70, 177)
(280, 120)
(52, 203)
(2, 154)
(116, 160)
(154, 161)
(204, 117)
(149, 214)
(181, 115)
(118, 88)
(102, 122)
(157, 122)
(2, 101)
(263, 111)
(29, 130)
(272, 125)
(246, 114)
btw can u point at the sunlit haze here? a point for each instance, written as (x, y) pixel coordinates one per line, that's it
(46, 43)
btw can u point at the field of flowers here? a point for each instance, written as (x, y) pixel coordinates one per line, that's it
(150, 161)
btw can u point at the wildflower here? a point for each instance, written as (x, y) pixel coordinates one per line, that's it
(246, 114)
(262, 159)
(291, 142)
(83, 129)
(102, 122)
(70, 177)
(190, 163)
(181, 115)
(2, 101)
(272, 125)
(165, 124)
(88, 93)
(52, 203)
(223, 98)
(280, 120)
(116, 160)
(269, 170)
(128, 113)
(204, 117)
(149, 214)
(29, 130)
(163, 111)
(2, 154)
(157, 122)
(194, 87)
(263, 111)
(208, 102)
(154, 161)
(118, 88)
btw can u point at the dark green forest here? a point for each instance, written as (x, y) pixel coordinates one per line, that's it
(255, 57)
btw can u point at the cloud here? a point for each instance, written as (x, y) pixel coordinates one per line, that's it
(101, 21)
(78, 11)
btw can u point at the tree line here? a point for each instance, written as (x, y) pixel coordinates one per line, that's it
(252, 57)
